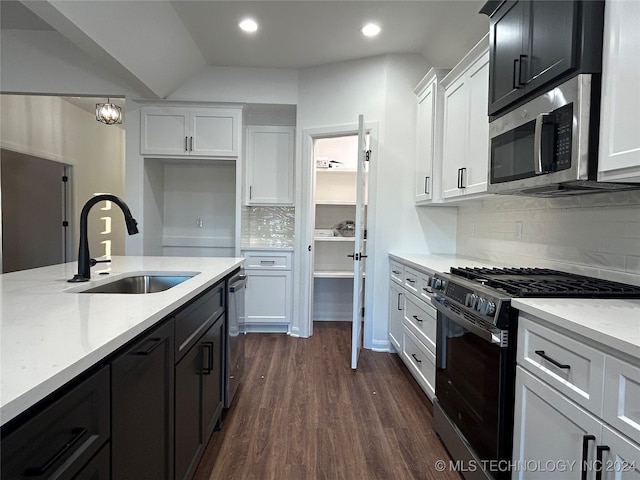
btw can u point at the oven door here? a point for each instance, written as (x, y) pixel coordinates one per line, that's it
(475, 378)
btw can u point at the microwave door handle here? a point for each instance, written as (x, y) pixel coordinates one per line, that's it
(538, 137)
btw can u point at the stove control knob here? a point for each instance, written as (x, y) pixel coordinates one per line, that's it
(489, 309)
(469, 300)
(481, 303)
(437, 284)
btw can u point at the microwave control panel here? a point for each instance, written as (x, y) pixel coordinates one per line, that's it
(563, 120)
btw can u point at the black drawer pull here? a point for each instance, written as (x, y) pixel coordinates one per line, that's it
(154, 343)
(77, 433)
(551, 360)
(410, 281)
(416, 358)
(417, 318)
(399, 299)
(396, 272)
(208, 357)
(585, 453)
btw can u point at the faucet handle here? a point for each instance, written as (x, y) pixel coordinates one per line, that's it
(93, 261)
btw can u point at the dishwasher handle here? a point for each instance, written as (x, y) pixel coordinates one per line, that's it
(238, 283)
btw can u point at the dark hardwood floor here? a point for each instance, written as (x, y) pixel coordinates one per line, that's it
(302, 413)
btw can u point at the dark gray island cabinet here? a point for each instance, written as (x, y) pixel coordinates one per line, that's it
(145, 412)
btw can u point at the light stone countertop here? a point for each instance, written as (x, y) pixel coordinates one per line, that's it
(610, 322)
(49, 334)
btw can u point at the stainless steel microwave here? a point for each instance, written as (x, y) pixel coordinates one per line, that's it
(549, 145)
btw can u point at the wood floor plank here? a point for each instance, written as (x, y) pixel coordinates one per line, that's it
(302, 413)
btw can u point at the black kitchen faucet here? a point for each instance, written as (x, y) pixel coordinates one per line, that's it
(84, 262)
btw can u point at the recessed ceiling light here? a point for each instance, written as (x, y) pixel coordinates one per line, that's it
(370, 30)
(248, 25)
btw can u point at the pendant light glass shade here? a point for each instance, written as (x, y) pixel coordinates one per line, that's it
(108, 113)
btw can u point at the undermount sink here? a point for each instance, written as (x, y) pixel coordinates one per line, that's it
(139, 284)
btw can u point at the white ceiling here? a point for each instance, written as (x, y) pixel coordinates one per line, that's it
(157, 45)
(299, 34)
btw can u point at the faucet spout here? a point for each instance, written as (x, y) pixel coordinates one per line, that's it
(84, 262)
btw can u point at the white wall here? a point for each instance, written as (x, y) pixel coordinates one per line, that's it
(53, 129)
(380, 88)
(596, 234)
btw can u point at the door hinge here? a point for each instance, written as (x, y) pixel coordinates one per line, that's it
(65, 178)
(367, 155)
(65, 223)
(362, 312)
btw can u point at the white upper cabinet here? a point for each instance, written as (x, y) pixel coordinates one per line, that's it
(270, 170)
(619, 155)
(429, 136)
(465, 149)
(183, 131)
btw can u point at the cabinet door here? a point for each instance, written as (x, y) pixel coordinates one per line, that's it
(212, 376)
(424, 144)
(142, 411)
(549, 429)
(214, 132)
(552, 45)
(619, 158)
(396, 302)
(267, 297)
(270, 165)
(477, 145)
(506, 34)
(455, 126)
(189, 435)
(622, 460)
(164, 131)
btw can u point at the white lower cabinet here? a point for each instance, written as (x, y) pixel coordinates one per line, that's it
(269, 290)
(412, 323)
(577, 409)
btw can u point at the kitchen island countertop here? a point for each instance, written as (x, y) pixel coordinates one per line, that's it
(50, 333)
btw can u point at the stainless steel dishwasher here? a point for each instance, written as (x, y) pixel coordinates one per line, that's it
(236, 335)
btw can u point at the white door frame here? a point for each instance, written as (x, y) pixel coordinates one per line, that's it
(303, 318)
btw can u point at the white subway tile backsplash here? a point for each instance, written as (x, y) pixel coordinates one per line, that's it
(597, 235)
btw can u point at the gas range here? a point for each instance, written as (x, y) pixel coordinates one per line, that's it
(483, 295)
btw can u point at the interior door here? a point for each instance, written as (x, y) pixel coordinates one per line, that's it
(34, 212)
(359, 253)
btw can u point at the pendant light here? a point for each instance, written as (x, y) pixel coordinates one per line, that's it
(108, 113)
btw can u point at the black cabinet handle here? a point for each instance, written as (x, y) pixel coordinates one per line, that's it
(516, 73)
(418, 319)
(186, 144)
(461, 172)
(416, 358)
(410, 280)
(520, 62)
(599, 450)
(154, 343)
(585, 452)
(208, 357)
(541, 353)
(396, 272)
(399, 297)
(191, 144)
(426, 185)
(77, 433)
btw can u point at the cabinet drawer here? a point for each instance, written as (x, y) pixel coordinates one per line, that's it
(61, 438)
(411, 280)
(193, 320)
(420, 361)
(621, 404)
(279, 261)
(396, 271)
(573, 368)
(421, 319)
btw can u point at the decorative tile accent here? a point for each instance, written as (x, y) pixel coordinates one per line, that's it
(270, 226)
(595, 234)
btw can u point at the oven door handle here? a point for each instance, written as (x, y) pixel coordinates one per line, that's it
(483, 333)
